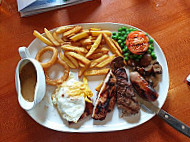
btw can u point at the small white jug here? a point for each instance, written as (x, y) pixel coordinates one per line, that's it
(40, 87)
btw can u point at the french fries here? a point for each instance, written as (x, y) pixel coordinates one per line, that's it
(85, 81)
(81, 64)
(97, 33)
(73, 60)
(79, 36)
(97, 61)
(98, 88)
(85, 42)
(96, 72)
(51, 38)
(82, 70)
(105, 62)
(95, 29)
(117, 45)
(103, 50)
(42, 38)
(94, 46)
(79, 57)
(76, 44)
(68, 62)
(95, 56)
(111, 45)
(84, 49)
(56, 37)
(88, 47)
(73, 31)
(74, 48)
(63, 29)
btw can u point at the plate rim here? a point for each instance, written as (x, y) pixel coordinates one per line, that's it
(116, 128)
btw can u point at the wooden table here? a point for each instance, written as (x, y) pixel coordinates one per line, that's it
(168, 21)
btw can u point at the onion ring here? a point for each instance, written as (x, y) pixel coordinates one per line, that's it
(53, 58)
(60, 80)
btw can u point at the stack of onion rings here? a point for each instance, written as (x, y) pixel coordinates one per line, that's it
(51, 62)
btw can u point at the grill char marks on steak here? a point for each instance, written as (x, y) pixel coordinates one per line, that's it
(126, 99)
(106, 98)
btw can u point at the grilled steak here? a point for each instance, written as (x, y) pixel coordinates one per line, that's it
(87, 111)
(106, 98)
(126, 99)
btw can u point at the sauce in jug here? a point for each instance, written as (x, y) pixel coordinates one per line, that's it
(28, 78)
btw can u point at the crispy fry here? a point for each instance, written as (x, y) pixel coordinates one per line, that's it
(105, 62)
(94, 46)
(72, 34)
(73, 60)
(51, 38)
(74, 48)
(63, 29)
(103, 42)
(89, 92)
(79, 36)
(117, 45)
(68, 62)
(95, 56)
(95, 29)
(82, 70)
(76, 44)
(56, 37)
(103, 50)
(97, 61)
(42, 38)
(85, 81)
(99, 86)
(79, 57)
(85, 30)
(111, 45)
(88, 47)
(83, 54)
(96, 72)
(86, 42)
(96, 33)
(72, 31)
(81, 65)
(93, 37)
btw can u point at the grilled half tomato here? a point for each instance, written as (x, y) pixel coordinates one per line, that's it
(137, 42)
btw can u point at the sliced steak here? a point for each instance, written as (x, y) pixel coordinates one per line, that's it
(126, 98)
(106, 98)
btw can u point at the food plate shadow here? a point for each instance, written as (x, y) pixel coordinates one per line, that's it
(131, 119)
(147, 107)
(78, 124)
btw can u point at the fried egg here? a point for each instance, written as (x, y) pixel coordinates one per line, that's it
(69, 99)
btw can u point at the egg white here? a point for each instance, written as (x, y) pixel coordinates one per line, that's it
(69, 107)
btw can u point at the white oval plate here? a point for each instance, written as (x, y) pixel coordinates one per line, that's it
(46, 114)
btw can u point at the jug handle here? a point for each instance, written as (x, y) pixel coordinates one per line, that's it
(24, 53)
